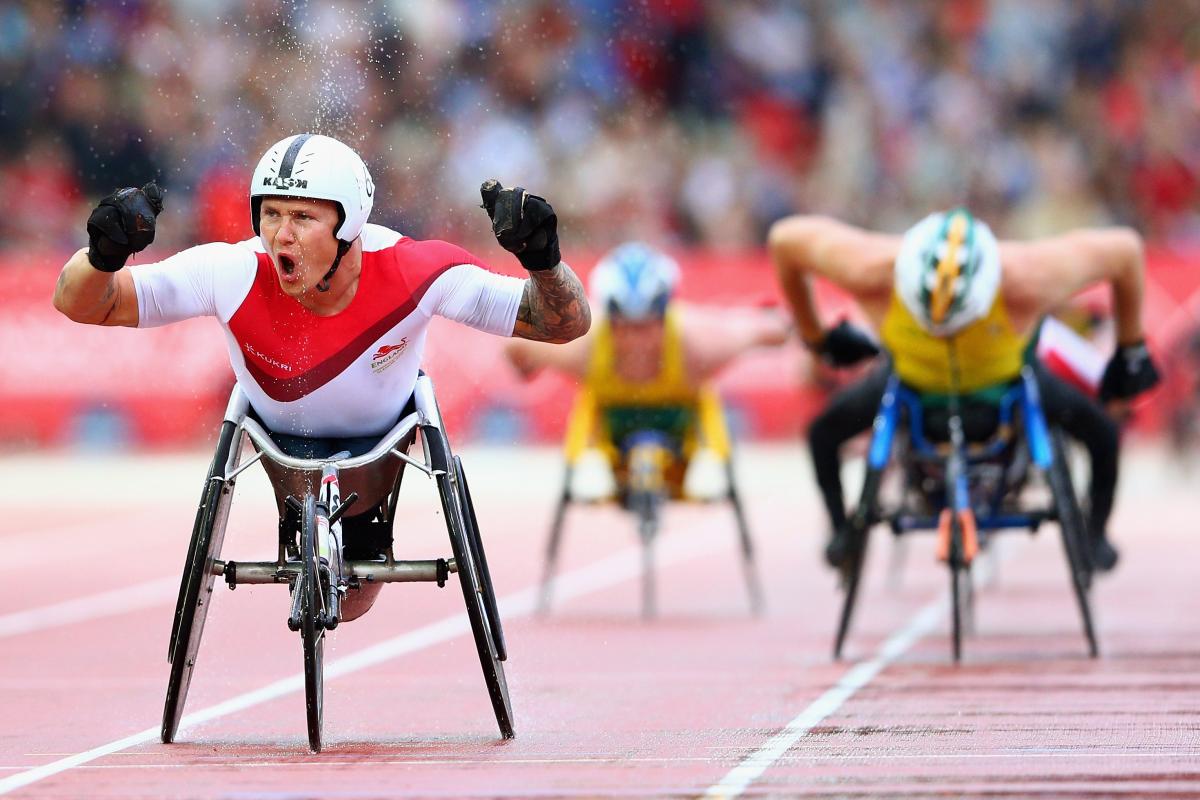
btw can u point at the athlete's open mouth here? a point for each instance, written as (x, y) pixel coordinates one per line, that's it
(287, 263)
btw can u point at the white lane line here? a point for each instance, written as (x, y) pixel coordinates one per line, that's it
(94, 606)
(611, 571)
(83, 538)
(740, 777)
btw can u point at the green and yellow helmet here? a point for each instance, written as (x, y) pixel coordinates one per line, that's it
(948, 271)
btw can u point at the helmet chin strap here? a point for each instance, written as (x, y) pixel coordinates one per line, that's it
(343, 248)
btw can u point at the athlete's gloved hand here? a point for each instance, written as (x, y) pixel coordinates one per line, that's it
(845, 345)
(1130, 372)
(524, 224)
(121, 225)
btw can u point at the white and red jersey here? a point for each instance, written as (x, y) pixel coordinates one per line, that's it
(349, 374)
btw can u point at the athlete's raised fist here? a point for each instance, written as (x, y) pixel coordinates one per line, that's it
(123, 224)
(524, 224)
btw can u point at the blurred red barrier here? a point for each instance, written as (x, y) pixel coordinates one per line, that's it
(65, 383)
(61, 382)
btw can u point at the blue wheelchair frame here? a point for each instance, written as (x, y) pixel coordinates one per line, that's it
(1023, 394)
(902, 406)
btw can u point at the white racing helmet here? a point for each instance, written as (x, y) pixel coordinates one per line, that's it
(948, 271)
(316, 167)
(634, 281)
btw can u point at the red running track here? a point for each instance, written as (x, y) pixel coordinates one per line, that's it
(704, 699)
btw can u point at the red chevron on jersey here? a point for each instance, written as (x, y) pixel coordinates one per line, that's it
(290, 351)
(349, 374)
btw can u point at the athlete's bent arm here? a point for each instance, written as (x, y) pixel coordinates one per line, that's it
(554, 307)
(857, 260)
(94, 287)
(1053, 270)
(741, 330)
(529, 357)
(85, 294)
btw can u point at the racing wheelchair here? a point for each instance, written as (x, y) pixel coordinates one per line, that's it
(649, 462)
(965, 486)
(321, 569)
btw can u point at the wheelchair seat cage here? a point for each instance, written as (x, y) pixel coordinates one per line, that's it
(310, 561)
(964, 491)
(647, 489)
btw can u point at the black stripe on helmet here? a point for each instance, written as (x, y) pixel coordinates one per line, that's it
(293, 151)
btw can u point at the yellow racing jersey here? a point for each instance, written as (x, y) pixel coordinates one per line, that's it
(609, 406)
(986, 353)
(670, 387)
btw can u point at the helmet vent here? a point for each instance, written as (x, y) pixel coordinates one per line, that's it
(293, 151)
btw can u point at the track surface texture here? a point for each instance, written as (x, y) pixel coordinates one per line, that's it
(705, 699)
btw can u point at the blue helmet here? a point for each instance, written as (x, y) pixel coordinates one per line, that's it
(634, 281)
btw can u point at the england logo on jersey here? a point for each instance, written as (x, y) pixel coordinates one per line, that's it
(385, 356)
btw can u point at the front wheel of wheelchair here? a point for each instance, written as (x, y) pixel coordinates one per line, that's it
(962, 589)
(312, 634)
(469, 577)
(961, 601)
(196, 585)
(646, 508)
(1074, 538)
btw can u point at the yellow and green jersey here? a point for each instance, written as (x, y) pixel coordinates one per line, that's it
(987, 353)
(609, 407)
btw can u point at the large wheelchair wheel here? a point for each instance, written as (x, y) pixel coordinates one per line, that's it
(469, 575)
(485, 575)
(860, 526)
(196, 585)
(1074, 538)
(312, 632)
(553, 542)
(749, 570)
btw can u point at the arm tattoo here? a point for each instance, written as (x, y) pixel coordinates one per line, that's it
(554, 307)
(110, 298)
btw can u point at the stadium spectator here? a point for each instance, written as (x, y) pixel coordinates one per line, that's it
(1038, 115)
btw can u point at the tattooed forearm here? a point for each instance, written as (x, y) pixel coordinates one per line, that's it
(554, 307)
(84, 294)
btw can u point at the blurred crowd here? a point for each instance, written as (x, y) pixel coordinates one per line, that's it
(687, 122)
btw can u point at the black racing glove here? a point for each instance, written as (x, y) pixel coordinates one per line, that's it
(121, 225)
(845, 345)
(524, 224)
(1130, 372)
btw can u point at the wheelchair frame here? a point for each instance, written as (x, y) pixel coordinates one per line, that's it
(646, 496)
(313, 567)
(958, 519)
